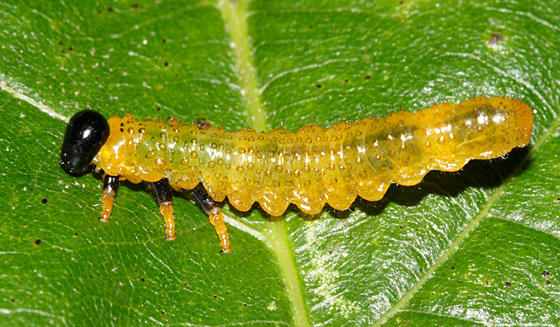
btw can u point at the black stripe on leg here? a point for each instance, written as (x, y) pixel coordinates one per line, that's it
(206, 202)
(162, 191)
(111, 183)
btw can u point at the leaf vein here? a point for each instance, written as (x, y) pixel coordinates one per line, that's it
(454, 245)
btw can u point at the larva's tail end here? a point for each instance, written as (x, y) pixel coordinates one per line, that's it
(523, 118)
(524, 122)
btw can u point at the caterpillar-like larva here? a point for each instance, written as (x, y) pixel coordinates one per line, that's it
(313, 166)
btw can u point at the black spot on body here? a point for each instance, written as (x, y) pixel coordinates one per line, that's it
(44, 201)
(319, 86)
(38, 241)
(202, 123)
(508, 284)
(495, 38)
(109, 9)
(545, 273)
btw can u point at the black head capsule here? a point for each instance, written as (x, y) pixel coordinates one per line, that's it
(87, 131)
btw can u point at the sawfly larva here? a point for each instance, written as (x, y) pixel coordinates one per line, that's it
(309, 168)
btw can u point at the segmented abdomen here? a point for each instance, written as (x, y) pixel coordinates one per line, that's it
(314, 166)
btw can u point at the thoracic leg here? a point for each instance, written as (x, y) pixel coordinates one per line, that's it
(164, 199)
(110, 185)
(215, 214)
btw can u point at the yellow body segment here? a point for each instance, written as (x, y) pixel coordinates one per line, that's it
(315, 165)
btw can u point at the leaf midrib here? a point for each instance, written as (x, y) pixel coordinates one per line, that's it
(277, 236)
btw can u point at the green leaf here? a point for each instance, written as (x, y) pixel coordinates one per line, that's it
(477, 247)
